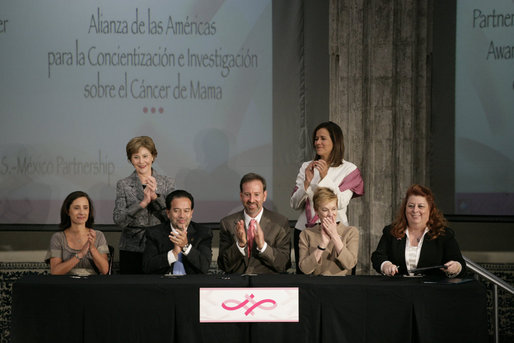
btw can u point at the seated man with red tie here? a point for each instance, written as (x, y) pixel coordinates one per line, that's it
(178, 246)
(255, 240)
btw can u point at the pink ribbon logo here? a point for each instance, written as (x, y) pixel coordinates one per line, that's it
(249, 304)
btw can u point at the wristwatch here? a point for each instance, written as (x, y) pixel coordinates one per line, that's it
(78, 257)
(184, 249)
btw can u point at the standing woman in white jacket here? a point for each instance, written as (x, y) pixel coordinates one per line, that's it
(327, 169)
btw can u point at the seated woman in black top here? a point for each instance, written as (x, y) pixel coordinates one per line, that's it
(418, 238)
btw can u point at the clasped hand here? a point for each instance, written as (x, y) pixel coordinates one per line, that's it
(452, 267)
(328, 230)
(150, 191)
(242, 237)
(90, 243)
(179, 239)
(320, 165)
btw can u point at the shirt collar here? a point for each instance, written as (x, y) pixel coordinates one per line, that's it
(257, 217)
(420, 238)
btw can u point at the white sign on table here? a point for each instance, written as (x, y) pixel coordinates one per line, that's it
(221, 305)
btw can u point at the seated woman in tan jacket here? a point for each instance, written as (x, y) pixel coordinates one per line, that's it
(329, 248)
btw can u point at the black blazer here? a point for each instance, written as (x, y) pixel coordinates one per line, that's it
(155, 257)
(433, 252)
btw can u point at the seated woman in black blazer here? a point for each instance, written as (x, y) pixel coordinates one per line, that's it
(418, 238)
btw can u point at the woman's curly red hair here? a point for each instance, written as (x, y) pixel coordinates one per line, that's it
(436, 221)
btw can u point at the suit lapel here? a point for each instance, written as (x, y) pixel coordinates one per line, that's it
(426, 252)
(166, 229)
(136, 186)
(265, 221)
(160, 185)
(400, 251)
(191, 232)
(241, 216)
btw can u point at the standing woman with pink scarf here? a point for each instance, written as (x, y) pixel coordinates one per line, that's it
(327, 169)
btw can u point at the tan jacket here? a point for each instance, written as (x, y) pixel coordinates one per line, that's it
(331, 263)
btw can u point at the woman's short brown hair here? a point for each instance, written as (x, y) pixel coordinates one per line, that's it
(136, 143)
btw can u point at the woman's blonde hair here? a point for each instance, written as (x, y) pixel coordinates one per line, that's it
(323, 195)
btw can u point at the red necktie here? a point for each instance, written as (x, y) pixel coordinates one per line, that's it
(250, 236)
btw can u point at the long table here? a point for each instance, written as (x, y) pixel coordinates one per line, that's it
(151, 308)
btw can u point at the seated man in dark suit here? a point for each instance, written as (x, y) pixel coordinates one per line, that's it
(256, 240)
(178, 246)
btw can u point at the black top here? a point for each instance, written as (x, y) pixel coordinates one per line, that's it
(434, 252)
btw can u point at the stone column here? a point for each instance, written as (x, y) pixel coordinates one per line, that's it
(379, 94)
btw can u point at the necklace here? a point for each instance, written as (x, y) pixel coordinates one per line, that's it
(418, 238)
